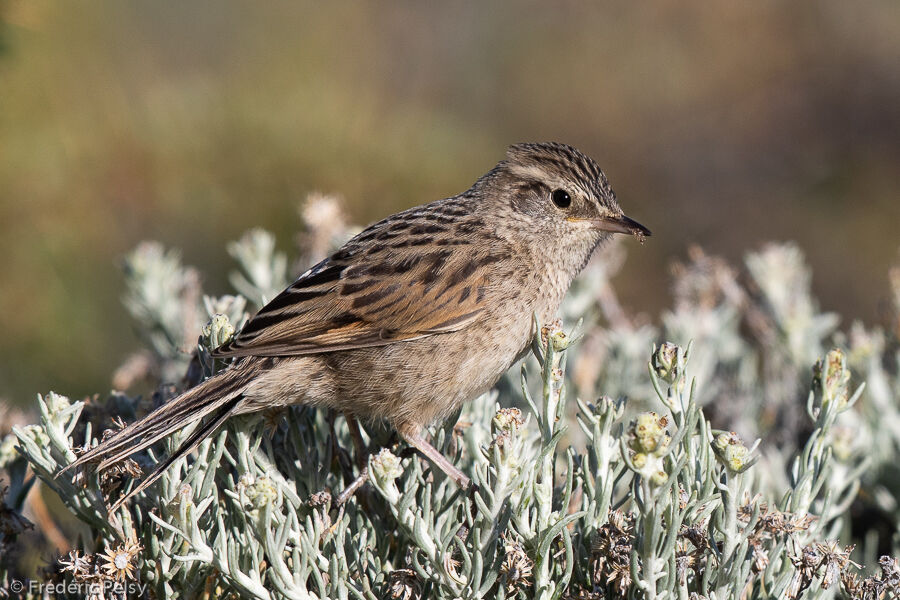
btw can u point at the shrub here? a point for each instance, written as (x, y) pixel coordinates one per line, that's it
(628, 488)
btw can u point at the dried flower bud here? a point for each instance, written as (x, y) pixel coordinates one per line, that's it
(403, 584)
(112, 477)
(890, 571)
(386, 466)
(658, 478)
(56, 403)
(731, 452)
(76, 564)
(736, 457)
(831, 378)
(217, 331)
(649, 441)
(516, 566)
(550, 331)
(665, 363)
(507, 420)
(721, 441)
(648, 434)
(319, 499)
(384, 469)
(120, 563)
(261, 492)
(639, 460)
(611, 548)
(835, 559)
(231, 306)
(559, 340)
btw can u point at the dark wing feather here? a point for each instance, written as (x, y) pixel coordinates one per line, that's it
(410, 276)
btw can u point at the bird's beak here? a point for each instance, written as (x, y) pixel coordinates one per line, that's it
(621, 224)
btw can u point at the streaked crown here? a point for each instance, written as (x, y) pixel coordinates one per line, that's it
(556, 161)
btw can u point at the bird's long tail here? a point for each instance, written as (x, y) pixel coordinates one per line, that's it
(216, 398)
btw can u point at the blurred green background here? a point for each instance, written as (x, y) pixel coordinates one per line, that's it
(720, 124)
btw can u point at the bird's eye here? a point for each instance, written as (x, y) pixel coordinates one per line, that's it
(561, 198)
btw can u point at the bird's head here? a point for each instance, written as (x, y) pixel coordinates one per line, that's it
(561, 192)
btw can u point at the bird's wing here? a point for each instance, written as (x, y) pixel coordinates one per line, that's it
(389, 284)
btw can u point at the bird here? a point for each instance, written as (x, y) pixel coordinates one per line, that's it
(411, 318)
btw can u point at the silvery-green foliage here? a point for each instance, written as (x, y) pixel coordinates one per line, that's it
(264, 270)
(783, 278)
(633, 487)
(615, 353)
(164, 298)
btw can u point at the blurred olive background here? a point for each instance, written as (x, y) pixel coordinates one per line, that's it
(720, 124)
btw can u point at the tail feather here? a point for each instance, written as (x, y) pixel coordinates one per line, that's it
(160, 423)
(152, 434)
(218, 396)
(191, 406)
(187, 446)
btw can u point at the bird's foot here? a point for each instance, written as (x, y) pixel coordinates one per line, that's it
(440, 461)
(351, 489)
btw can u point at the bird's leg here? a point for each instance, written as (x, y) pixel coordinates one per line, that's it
(362, 461)
(354, 485)
(340, 455)
(362, 453)
(413, 436)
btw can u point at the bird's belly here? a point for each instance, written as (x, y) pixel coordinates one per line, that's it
(421, 381)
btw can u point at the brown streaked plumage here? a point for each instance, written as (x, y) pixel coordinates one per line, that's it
(417, 314)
